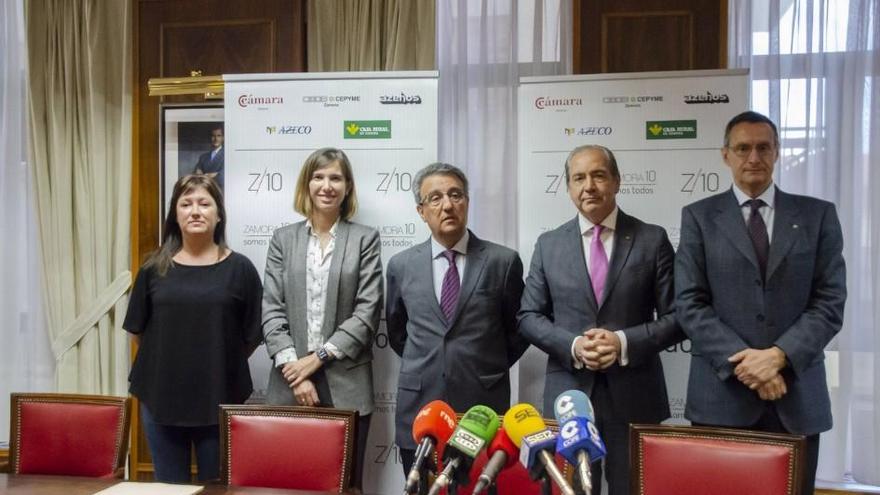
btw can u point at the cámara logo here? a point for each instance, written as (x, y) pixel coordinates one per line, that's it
(543, 102)
(245, 101)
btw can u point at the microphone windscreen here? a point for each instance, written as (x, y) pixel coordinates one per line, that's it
(481, 421)
(521, 420)
(571, 404)
(502, 442)
(436, 419)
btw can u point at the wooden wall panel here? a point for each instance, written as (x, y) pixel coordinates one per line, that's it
(173, 38)
(649, 35)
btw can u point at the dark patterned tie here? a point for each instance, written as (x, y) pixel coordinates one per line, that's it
(451, 286)
(758, 234)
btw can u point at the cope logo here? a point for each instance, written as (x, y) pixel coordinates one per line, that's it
(248, 100)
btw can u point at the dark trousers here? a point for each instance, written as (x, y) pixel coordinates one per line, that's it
(171, 449)
(362, 429)
(770, 423)
(615, 433)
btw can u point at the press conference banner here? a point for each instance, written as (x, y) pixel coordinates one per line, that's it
(386, 122)
(666, 130)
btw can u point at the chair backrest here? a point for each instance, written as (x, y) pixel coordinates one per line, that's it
(515, 480)
(720, 461)
(69, 434)
(290, 447)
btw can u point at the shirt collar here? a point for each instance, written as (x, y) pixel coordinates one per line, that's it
(768, 196)
(332, 229)
(460, 247)
(610, 222)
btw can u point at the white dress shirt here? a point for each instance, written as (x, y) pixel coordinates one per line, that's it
(609, 225)
(766, 211)
(317, 274)
(439, 263)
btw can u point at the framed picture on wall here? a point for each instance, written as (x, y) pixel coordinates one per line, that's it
(192, 140)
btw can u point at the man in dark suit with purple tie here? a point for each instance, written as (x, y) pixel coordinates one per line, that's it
(760, 289)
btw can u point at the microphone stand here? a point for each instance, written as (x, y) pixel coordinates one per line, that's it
(546, 485)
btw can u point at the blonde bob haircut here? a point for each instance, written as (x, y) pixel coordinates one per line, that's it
(324, 157)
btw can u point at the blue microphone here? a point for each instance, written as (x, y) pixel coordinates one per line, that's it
(578, 442)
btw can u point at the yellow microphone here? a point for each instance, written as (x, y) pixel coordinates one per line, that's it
(537, 444)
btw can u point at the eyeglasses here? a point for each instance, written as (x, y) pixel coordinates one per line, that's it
(765, 150)
(435, 199)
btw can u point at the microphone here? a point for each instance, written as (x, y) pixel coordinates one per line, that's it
(502, 454)
(527, 430)
(432, 427)
(476, 428)
(578, 441)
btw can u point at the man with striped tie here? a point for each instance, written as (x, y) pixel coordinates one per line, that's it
(451, 309)
(594, 286)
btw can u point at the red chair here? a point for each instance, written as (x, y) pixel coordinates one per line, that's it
(718, 461)
(69, 434)
(301, 448)
(515, 480)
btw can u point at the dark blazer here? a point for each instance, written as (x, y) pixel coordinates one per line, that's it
(351, 316)
(464, 362)
(558, 305)
(724, 307)
(206, 165)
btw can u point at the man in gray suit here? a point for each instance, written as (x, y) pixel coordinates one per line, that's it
(760, 289)
(590, 299)
(451, 309)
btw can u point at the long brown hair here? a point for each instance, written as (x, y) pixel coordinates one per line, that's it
(172, 238)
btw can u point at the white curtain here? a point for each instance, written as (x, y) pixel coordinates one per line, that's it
(483, 48)
(79, 53)
(26, 363)
(814, 70)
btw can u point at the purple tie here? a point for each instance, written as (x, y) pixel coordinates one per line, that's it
(758, 234)
(451, 286)
(598, 263)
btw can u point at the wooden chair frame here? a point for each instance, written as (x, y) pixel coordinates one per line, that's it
(348, 417)
(122, 433)
(795, 443)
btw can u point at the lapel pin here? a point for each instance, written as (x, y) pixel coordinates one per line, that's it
(628, 237)
(794, 225)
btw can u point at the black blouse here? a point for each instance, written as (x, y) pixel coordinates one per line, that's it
(196, 324)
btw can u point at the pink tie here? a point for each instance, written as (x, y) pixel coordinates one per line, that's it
(598, 263)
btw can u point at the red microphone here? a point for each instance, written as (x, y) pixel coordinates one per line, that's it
(432, 427)
(502, 454)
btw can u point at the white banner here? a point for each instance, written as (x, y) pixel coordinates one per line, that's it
(666, 130)
(387, 125)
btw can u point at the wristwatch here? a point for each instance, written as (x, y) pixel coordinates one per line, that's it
(323, 355)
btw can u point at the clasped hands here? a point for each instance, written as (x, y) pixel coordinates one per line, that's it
(297, 374)
(597, 348)
(759, 369)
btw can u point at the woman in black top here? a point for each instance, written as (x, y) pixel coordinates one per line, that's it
(195, 313)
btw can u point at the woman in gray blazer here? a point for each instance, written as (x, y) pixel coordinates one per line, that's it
(323, 291)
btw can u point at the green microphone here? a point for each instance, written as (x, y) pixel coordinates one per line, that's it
(474, 431)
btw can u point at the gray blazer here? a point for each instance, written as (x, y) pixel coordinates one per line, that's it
(464, 362)
(351, 318)
(558, 305)
(724, 306)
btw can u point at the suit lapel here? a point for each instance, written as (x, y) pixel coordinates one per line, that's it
(574, 243)
(732, 225)
(339, 248)
(473, 268)
(298, 266)
(424, 275)
(786, 222)
(624, 236)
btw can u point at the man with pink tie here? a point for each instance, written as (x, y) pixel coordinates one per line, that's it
(590, 299)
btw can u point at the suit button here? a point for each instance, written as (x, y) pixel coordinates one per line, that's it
(758, 283)
(760, 317)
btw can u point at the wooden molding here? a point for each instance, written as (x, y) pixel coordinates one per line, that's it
(211, 87)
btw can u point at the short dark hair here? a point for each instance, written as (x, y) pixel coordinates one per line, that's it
(752, 118)
(218, 125)
(610, 159)
(437, 168)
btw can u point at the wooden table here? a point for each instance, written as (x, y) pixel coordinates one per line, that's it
(32, 484)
